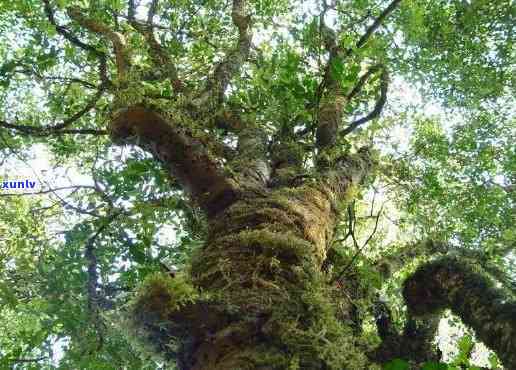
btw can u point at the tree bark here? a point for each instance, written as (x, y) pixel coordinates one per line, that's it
(183, 155)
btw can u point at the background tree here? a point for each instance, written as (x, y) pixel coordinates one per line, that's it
(310, 211)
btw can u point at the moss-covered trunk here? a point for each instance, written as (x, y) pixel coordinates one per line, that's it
(259, 298)
(263, 257)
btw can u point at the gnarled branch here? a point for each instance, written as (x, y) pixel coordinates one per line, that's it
(414, 343)
(116, 38)
(159, 56)
(450, 283)
(330, 97)
(232, 63)
(252, 163)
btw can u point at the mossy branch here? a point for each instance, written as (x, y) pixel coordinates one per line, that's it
(414, 343)
(345, 174)
(234, 60)
(331, 99)
(184, 156)
(168, 318)
(450, 283)
(158, 55)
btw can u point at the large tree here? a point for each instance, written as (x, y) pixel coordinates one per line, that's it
(307, 195)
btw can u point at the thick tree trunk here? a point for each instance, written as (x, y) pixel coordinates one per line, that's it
(263, 256)
(256, 296)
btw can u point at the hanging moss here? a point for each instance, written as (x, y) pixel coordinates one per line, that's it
(148, 315)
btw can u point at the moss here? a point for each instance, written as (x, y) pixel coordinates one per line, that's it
(260, 270)
(308, 328)
(178, 292)
(147, 316)
(287, 153)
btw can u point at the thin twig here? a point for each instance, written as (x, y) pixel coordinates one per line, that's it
(359, 251)
(377, 110)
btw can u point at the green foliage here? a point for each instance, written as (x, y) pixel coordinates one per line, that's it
(396, 364)
(435, 366)
(459, 183)
(462, 51)
(465, 345)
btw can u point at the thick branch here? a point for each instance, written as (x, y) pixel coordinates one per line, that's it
(330, 96)
(184, 156)
(392, 262)
(450, 283)
(432, 248)
(252, 164)
(329, 92)
(117, 39)
(415, 343)
(347, 173)
(330, 114)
